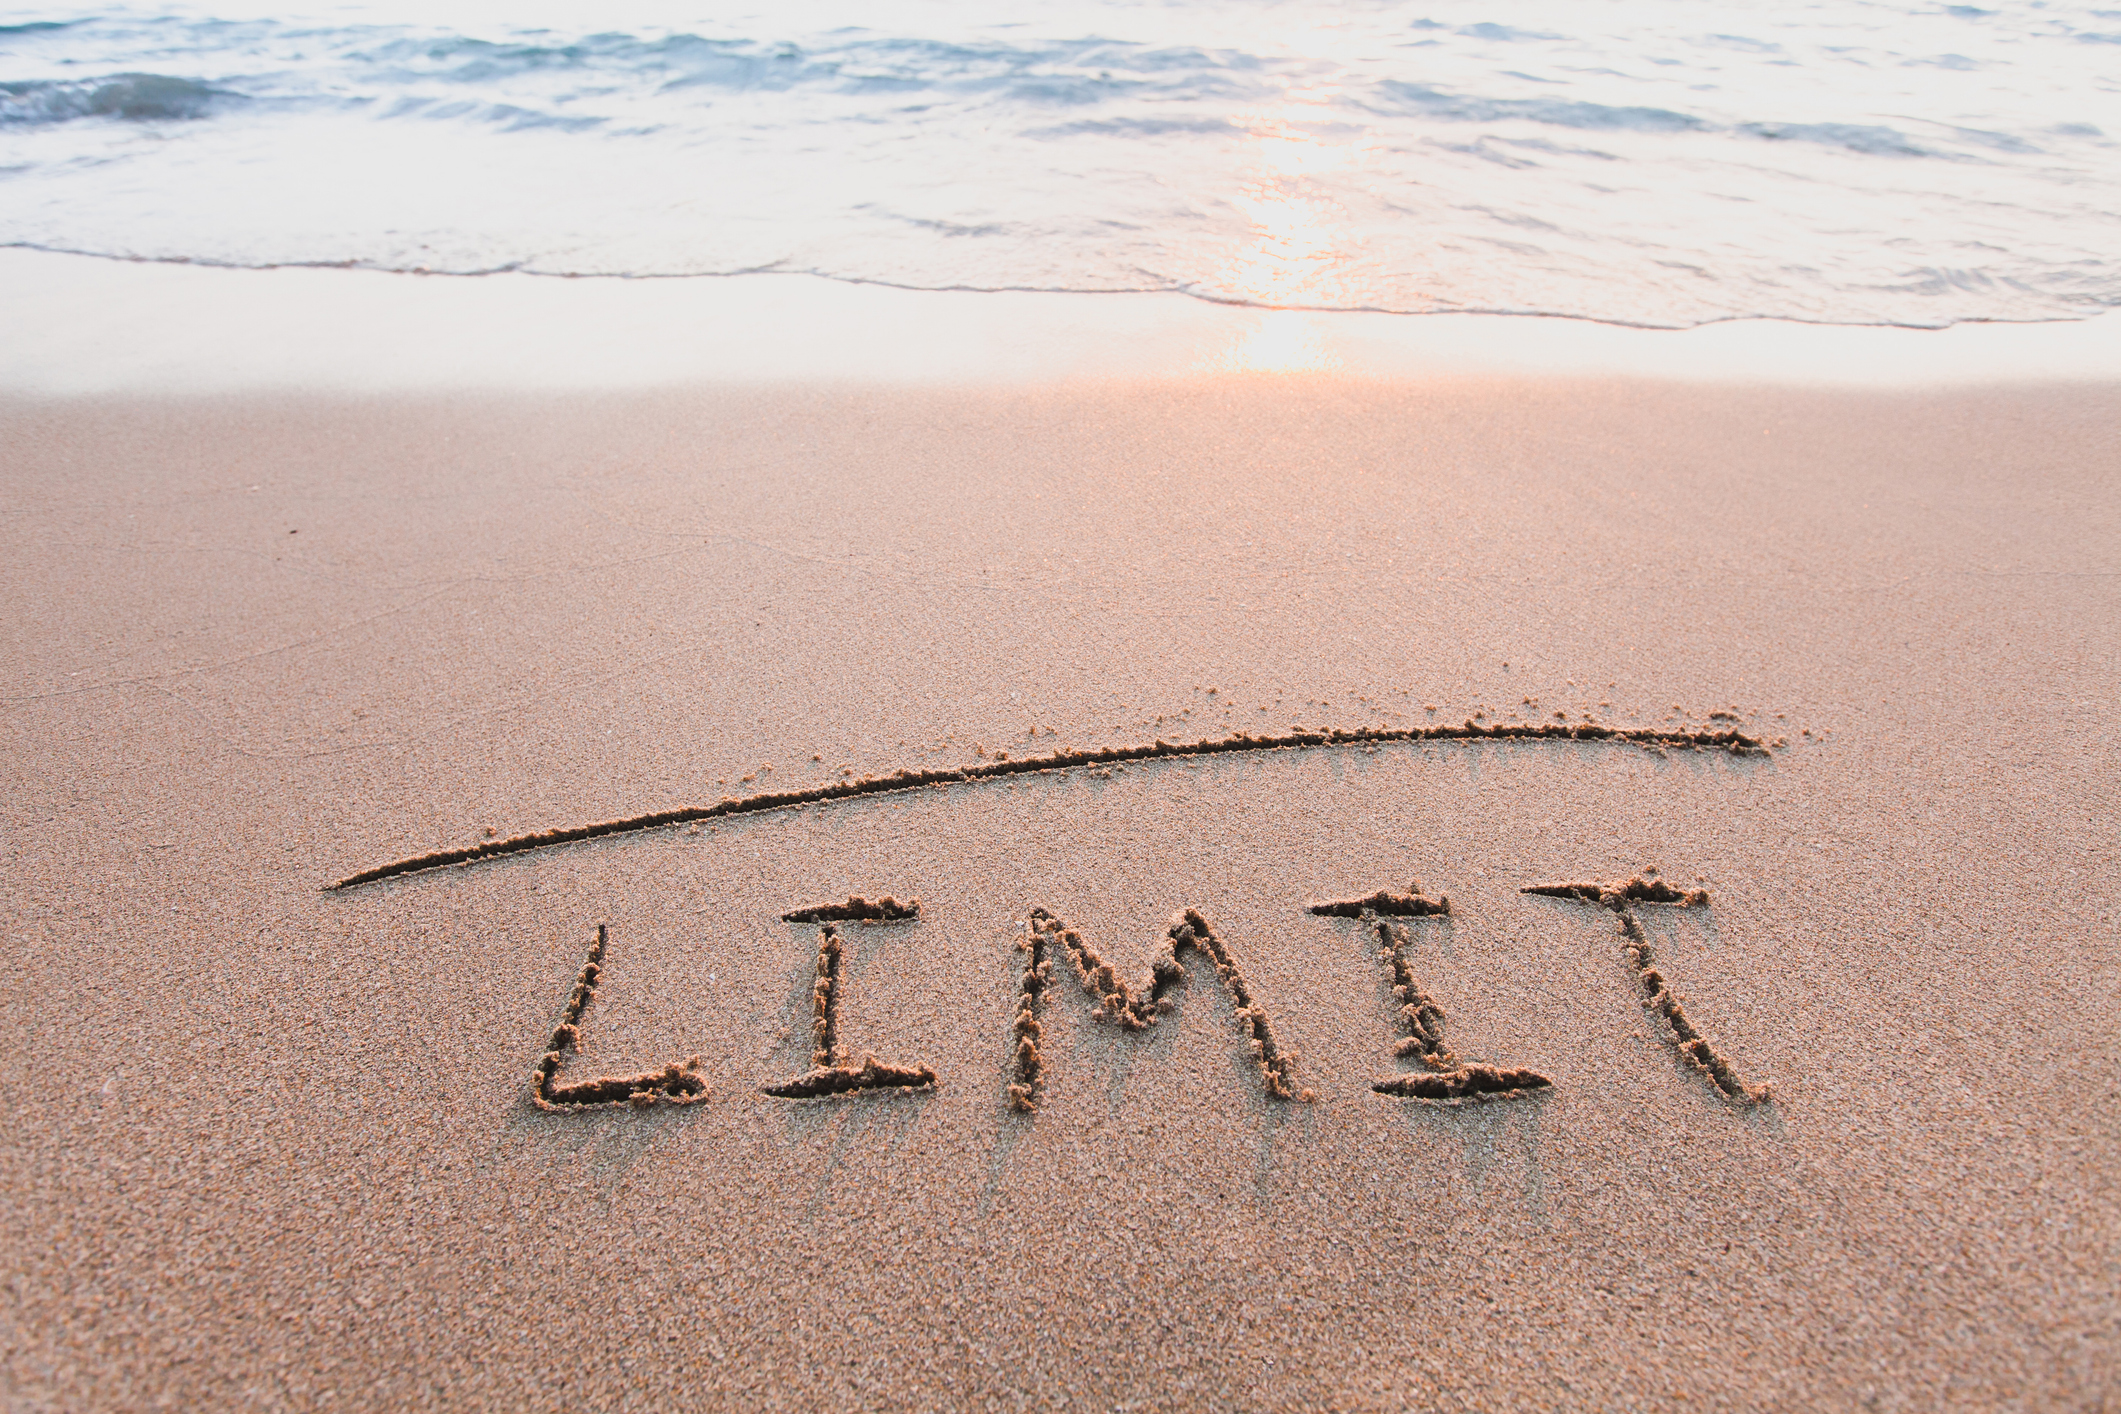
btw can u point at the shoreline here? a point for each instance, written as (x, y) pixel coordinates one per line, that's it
(120, 327)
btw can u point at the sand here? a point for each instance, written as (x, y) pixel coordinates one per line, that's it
(275, 1146)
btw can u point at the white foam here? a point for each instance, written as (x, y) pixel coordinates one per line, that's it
(1649, 162)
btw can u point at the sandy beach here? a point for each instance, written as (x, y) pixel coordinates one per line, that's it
(276, 1146)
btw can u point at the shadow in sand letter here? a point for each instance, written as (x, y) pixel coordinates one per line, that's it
(1448, 1079)
(677, 1083)
(1658, 998)
(831, 1072)
(1135, 1009)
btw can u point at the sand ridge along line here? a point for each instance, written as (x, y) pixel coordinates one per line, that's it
(831, 1072)
(857, 910)
(1135, 1011)
(1731, 742)
(1656, 996)
(680, 1084)
(1447, 1080)
(674, 1084)
(1451, 1080)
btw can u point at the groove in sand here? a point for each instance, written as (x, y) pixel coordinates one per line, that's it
(676, 1084)
(832, 1073)
(857, 910)
(1692, 1046)
(1132, 1009)
(1450, 1079)
(1730, 742)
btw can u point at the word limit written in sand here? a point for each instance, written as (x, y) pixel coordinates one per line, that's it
(1050, 945)
(1054, 952)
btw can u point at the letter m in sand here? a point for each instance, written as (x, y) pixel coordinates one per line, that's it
(1051, 941)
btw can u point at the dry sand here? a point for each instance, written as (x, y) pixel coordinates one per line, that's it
(274, 1147)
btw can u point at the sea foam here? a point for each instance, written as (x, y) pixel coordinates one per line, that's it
(1647, 163)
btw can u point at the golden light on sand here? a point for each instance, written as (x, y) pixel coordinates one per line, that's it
(1281, 341)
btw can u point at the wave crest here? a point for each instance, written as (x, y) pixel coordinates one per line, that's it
(132, 98)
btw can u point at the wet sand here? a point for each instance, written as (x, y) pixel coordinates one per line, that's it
(276, 1146)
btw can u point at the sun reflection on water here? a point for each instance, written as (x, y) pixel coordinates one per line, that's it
(1300, 248)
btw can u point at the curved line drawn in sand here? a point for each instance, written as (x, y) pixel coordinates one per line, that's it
(1451, 1080)
(1133, 1009)
(1692, 1046)
(831, 1072)
(676, 1084)
(1730, 742)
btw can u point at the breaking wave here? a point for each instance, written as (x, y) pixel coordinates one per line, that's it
(137, 98)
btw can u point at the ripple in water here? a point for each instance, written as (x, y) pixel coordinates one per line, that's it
(1642, 163)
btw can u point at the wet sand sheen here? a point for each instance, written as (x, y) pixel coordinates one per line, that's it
(276, 1146)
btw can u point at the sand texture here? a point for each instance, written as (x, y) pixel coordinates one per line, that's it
(1181, 1086)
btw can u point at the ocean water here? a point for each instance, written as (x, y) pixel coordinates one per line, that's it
(1630, 161)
